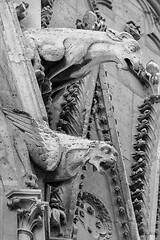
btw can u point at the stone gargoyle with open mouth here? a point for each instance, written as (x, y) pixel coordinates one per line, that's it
(61, 153)
(67, 55)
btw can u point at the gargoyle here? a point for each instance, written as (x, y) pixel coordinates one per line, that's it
(69, 55)
(63, 154)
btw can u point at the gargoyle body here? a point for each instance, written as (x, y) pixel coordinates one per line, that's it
(69, 54)
(61, 153)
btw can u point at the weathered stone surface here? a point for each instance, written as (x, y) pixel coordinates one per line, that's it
(124, 93)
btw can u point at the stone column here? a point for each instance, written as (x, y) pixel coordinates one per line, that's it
(33, 18)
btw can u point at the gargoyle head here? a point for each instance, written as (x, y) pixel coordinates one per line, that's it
(102, 156)
(113, 46)
(128, 52)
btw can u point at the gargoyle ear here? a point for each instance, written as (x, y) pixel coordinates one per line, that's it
(126, 35)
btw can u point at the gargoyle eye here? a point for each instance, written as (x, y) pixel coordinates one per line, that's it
(132, 48)
(106, 150)
(115, 154)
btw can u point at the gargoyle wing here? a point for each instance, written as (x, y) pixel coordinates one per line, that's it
(42, 143)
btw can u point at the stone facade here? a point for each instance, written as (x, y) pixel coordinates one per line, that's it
(79, 132)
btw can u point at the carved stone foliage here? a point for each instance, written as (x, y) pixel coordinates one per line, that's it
(71, 118)
(30, 212)
(157, 233)
(98, 120)
(46, 12)
(133, 29)
(94, 217)
(21, 10)
(145, 149)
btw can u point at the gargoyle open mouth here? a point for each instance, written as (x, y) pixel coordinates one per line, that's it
(124, 64)
(132, 65)
(105, 166)
(100, 165)
(128, 62)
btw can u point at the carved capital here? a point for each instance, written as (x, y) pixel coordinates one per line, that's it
(30, 211)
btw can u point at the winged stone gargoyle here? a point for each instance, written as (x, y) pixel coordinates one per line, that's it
(69, 55)
(61, 153)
